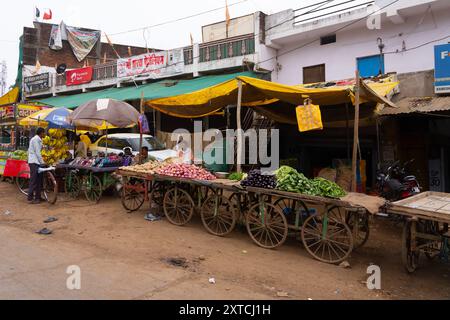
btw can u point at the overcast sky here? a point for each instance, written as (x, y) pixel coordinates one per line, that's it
(118, 16)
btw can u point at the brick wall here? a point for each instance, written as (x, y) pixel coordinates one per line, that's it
(35, 47)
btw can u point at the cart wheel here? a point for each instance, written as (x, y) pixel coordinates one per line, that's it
(72, 185)
(23, 183)
(132, 199)
(93, 188)
(410, 258)
(363, 234)
(158, 193)
(290, 207)
(178, 206)
(236, 203)
(218, 215)
(433, 249)
(267, 226)
(326, 239)
(50, 188)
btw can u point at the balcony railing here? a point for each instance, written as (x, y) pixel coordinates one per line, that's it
(223, 49)
(100, 72)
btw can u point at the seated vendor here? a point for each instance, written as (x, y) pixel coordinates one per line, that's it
(143, 157)
(82, 150)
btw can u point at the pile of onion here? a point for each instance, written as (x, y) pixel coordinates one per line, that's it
(185, 171)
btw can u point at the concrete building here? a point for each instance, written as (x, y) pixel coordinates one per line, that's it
(329, 41)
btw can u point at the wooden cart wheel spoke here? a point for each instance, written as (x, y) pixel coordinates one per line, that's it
(132, 200)
(218, 215)
(178, 206)
(335, 242)
(274, 219)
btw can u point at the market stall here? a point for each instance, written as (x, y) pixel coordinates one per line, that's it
(14, 137)
(272, 207)
(331, 225)
(94, 175)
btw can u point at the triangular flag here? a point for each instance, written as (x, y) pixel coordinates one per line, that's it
(37, 12)
(38, 67)
(48, 14)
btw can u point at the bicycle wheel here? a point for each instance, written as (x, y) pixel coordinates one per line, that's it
(23, 182)
(50, 189)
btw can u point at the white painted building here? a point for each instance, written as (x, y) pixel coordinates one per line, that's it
(408, 29)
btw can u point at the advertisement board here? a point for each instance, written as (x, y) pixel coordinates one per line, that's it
(37, 83)
(155, 64)
(79, 76)
(442, 68)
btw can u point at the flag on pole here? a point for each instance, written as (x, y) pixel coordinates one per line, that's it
(48, 14)
(227, 15)
(37, 68)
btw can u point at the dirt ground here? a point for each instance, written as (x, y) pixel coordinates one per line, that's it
(123, 256)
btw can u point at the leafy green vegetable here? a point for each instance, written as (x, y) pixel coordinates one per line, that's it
(290, 180)
(236, 176)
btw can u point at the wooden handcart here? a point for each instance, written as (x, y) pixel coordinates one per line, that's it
(181, 198)
(91, 181)
(269, 215)
(426, 228)
(329, 232)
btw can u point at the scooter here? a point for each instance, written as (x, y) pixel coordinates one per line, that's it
(395, 184)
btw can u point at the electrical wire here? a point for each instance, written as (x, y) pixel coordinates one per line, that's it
(418, 46)
(335, 31)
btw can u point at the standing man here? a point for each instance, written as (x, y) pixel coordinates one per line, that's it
(35, 161)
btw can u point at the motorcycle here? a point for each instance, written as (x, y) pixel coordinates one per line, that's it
(395, 184)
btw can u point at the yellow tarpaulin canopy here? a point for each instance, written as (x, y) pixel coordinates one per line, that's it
(10, 98)
(259, 93)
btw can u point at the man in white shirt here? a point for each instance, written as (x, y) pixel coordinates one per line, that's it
(35, 161)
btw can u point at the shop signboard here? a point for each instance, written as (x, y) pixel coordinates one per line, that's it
(155, 65)
(6, 113)
(39, 82)
(79, 76)
(24, 111)
(442, 68)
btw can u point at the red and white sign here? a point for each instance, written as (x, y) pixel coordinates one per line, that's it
(79, 76)
(143, 64)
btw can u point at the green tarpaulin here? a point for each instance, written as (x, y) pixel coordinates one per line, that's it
(157, 90)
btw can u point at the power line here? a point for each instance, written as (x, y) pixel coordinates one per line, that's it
(336, 31)
(302, 46)
(418, 46)
(179, 19)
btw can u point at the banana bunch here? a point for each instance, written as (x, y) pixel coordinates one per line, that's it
(56, 146)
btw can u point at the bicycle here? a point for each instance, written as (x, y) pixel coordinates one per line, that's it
(50, 186)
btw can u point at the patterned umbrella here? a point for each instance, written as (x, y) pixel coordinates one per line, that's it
(50, 118)
(105, 112)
